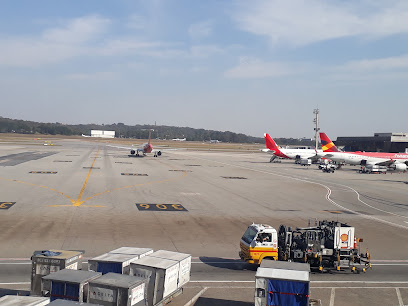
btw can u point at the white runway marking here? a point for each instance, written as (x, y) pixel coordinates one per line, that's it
(332, 295)
(401, 303)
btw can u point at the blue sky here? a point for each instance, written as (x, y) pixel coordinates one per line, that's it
(243, 66)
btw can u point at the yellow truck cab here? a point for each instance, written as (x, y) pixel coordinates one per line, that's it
(259, 241)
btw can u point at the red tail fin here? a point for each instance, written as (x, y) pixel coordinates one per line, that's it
(327, 144)
(150, 131)
(270, 143)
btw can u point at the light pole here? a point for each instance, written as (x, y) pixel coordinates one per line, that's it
(317, 129)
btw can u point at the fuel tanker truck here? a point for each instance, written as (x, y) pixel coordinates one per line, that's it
(328, 245)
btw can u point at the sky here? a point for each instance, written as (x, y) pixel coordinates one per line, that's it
(243, 66)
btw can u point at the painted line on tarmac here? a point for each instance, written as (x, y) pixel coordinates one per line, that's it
(400, 301)
(196, 297)
(78, 201)
(329, 191)
(332, 295)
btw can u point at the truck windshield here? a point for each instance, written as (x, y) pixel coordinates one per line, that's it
(249, 235)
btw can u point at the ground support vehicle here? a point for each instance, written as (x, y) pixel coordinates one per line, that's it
(305, 162)
(373, 169)
(328, 245)
(328, 167)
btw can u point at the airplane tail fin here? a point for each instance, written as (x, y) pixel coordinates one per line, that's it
(270, 143)
(150, 132)
(327, 144)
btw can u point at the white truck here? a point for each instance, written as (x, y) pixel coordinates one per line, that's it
(328, 245)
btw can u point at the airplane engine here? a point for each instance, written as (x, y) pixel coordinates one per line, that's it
(399, 167)
(132, 152)
(158, 153)
(363, 162)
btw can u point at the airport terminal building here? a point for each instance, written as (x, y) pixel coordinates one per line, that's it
(380, 142)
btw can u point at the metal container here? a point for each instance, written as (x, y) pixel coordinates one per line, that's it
(46, 262)
(141, 252)
(184, 262)
(161, 273)
(70, 284)
(119, 290)
(114, 263)
(282, 283)
(14, 300)
(68, 303)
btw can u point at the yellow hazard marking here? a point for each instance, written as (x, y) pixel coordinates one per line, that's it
(78, 201)
(332, 211)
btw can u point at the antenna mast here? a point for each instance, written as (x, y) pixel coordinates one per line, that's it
(317, 129)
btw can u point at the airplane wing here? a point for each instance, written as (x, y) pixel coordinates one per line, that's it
(127, 148)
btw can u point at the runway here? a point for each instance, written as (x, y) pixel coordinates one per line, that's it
(88, 196)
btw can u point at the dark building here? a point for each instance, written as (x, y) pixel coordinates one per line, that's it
(380, 142)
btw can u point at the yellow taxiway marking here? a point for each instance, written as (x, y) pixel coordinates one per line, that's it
(36, 185)
(78, 201)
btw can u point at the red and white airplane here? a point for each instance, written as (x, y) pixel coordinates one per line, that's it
(144, 149)
(394, 161)
(273, 148)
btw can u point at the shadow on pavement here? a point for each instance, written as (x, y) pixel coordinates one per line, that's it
(225, 263)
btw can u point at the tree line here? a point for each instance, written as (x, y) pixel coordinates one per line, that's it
(137, 131)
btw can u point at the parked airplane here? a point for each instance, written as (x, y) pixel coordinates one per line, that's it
(394, 161)
(272, 148)
(179, 139)
(144, 149)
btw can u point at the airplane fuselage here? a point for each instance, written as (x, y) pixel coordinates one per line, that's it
(295, 153)
(356, 158)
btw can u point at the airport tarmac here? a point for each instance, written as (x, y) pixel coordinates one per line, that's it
(81, 195)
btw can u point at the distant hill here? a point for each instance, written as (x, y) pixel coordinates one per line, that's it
(137, 131)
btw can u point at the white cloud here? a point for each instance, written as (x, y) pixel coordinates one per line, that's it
(78, 30)
(301, 22)
(53, 45)
(126, 45)
(251, 68)
(200, 30)
(379, 65)
(97, 76)
(204, 51)
(390, 68)
(28, 52)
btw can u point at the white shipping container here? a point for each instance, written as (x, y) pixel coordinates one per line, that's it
(162, 276)
(108, 262)
(114, 289)
(282, 272)
(140, 252)
(184, 264)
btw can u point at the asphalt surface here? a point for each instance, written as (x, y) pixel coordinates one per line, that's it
(82, 195)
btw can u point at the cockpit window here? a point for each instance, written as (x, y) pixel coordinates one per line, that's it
(249, 235)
